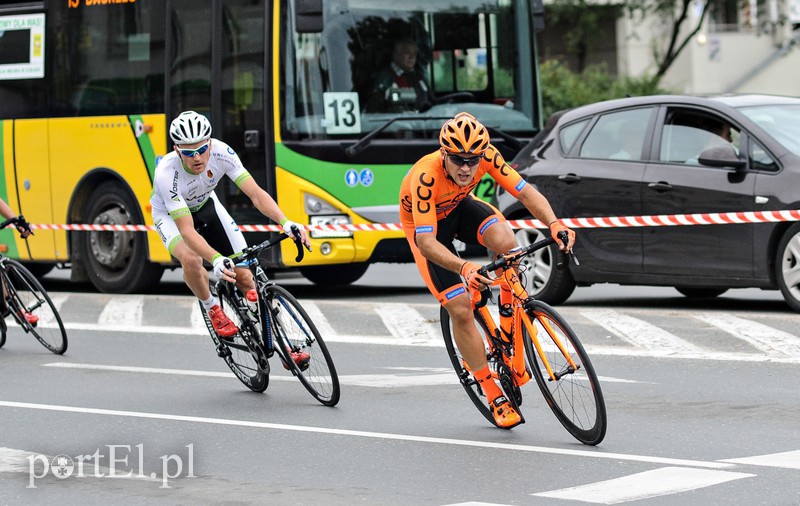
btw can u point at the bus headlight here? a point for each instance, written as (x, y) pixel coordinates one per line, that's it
(322, 212)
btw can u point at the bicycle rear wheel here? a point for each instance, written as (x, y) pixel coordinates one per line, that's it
(575, 396)
(294, 332)
(235, 352)
(26, 295)
(467, 380)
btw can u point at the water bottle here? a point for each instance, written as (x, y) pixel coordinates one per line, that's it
(506, 322)
(252, 304)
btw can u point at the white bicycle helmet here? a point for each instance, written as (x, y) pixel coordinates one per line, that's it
(190, 128)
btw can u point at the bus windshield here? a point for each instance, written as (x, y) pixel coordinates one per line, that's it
(398, 69)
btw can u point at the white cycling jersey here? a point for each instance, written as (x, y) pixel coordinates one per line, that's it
(178, 192)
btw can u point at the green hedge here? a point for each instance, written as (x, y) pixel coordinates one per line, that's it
(564, 89)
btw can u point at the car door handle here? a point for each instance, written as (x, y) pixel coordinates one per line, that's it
(569, 178)
(660, 187)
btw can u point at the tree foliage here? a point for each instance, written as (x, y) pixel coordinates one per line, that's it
(564, 89)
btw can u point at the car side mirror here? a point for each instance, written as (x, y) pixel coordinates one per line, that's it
(721, 156)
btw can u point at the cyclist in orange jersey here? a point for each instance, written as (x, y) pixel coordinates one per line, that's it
(436, 206)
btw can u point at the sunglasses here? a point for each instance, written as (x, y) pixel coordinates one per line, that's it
(471, 161)
(189, 153)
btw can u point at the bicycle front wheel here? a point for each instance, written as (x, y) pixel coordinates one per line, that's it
(467, 380)
(25, 295)
(574, 395)
(235, 352)
(300, 347)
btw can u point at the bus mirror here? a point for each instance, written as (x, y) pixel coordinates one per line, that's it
(537, 9)
(456, 31)
(308, 16)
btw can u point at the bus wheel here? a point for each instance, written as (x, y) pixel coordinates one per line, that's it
(116, 261)
(339, 274)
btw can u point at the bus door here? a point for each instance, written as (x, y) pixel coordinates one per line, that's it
(32, 170)
(217, 69)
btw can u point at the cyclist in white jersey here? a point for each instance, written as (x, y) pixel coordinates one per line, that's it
(192, 223)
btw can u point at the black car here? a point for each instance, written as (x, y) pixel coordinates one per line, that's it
(669, 155)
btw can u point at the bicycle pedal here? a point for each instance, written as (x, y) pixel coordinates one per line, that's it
(223, 351)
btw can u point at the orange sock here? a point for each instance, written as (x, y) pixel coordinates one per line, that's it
(490, 388)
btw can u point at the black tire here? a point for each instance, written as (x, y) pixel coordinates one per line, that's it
(3, 330)
(292, 329)
(700, 292)
(116, 262)
(467, 380)
(235, 353)
(25, 293)
(575, 398)
(787, 266)
(540, 273)
(335, 275)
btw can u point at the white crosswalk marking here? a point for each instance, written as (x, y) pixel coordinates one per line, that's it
(196, 317)
(786, 460)
(771, 341)
(318, 317)
(658, 482)
(406, 323)
(123, 311)
(639, 332)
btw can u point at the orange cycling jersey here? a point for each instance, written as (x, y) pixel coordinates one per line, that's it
(428, 195)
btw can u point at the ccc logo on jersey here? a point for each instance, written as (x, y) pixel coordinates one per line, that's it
(424, 193)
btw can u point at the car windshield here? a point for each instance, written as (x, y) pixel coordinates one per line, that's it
(782, 122)
(343, 80)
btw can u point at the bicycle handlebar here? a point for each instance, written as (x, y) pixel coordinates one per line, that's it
(19, 222)
(254, 251)
(513, 256)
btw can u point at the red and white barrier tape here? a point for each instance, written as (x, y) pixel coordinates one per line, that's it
(663, 220)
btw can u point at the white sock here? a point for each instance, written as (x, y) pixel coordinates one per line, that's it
(211, 302)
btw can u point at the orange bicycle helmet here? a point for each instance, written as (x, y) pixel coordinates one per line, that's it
(464, 134)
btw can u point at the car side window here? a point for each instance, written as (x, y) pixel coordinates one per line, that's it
(569, 134)
(617, 136)
(760, 159)
(687, 133)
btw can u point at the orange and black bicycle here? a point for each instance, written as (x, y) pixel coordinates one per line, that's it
(552, 355)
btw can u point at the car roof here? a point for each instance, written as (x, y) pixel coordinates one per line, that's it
(718, 102)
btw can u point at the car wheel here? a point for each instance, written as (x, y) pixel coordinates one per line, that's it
(540, 273)
(787, 266)
(700, 293)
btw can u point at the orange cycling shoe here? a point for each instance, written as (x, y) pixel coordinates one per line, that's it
(300, 358)
(223, 325)
(31, 318)
(505, 416)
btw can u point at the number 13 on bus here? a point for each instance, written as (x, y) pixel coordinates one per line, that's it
(304, 91)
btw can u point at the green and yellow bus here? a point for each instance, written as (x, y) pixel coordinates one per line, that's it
(88, 87)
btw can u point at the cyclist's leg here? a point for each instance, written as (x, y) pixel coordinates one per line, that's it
(194, 274)
(225, 236)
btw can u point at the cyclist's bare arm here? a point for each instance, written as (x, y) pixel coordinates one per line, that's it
(264, 202)
(540, 208)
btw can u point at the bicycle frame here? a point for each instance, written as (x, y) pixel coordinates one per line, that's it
(509, 277)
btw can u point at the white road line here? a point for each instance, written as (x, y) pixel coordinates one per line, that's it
(123, 311)
(787, 460)
(771, 341)
(640, 333)
(318, 317)
(597, 453)
(407, 324)
(363, 380)
(658, 482)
